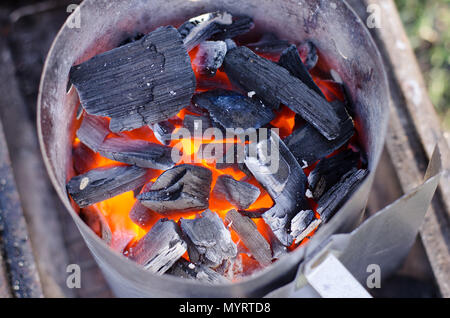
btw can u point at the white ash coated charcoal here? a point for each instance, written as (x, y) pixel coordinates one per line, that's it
(286, 184)
(141, 83)
(300, 223)
(240, 194)
(247, 231)
(308, 145)
(334, 198)
(160, 248)
(103, 183)
(329, 171)
(233, 110)
(219, 25)
(209, 241)
(290, 60)
(186, 269)
(184, 188)
(209, 57)
(307, 232)
(269, 80)
(308, 54)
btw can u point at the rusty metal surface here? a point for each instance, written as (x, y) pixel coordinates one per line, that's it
(16, 248)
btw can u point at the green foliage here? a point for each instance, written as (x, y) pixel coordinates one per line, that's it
(427, 23)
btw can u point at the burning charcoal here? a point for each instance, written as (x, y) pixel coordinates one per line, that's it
(163, 131)
(233, 110)
(218, 24)
(97, 222)
(209, 57)
(141, 215)
(141, 83)
(103, 183)
(230, 44)
(209, 241)
(308, 54)
(160, 248)
(269, 43)
(196, 124)
(308, 145)
(329, 171)
(301, 222)
(239, 194)
(254, 214)
(248, 232)
(290, 60)
(184, 188)
(140, 153)
(307, 232)
(269, 80)
(333, 199)
(185, 269)
(93, 131)
(284, 180)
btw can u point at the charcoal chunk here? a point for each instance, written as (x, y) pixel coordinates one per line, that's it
(93, 131)
(269, 43)
(290, 60)
(301, 222)
(160, 248)
(141, 83)
(329, 171)
(240, 194)
(196, 125)
(248, 232)
(186, 269)
(308, 54)
(298, 235)
(269, 80)
(95, 219)
(332, 200)
(140, 153)
(209, 57)
(140, 214)
(285, 182)
(209, 241)
(308, 145)
(218, 24)
(184, 188)
(233, 110)
(163, 131)
(103, 183)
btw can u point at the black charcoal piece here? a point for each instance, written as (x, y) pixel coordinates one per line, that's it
(230, 44)
(247, 231)
(254, 214)
(233, 110)
(163, 131)
(290, 60)
(160, 248)
(136, 152)
(141, 83)
(332, 200)
(329, 171)
(209, 57)
(283, 178)
(93, 131)
(308, 145)
(300, 222)
(184, 188)
(209, 241)
(140, 214)
(219, 25)
(240, 194)
(196, 124)
(269, 80)
(308, 54)
(133, 38)
(103, 183)
(269, 43)
(186, 269)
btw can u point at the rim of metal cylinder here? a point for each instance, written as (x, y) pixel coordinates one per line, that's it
(290, 260)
